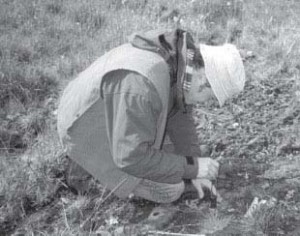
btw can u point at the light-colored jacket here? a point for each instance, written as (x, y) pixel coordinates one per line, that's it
(81, 117)
(112, 117)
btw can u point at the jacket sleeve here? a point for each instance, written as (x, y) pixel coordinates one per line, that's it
(132, 109)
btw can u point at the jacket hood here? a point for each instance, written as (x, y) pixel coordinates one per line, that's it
(172, 46)
(167, 43)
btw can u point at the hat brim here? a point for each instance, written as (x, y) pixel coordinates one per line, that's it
(224, 70)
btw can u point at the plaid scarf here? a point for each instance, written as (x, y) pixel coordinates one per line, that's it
(187, 81)
(178, 49)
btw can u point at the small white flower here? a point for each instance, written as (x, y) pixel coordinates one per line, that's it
(112, 221)
(235, 125)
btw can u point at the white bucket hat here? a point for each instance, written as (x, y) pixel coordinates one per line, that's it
(224, 70)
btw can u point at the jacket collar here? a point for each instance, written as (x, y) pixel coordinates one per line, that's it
(172, 46)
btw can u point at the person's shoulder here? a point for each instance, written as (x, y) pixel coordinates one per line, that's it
(126, 81)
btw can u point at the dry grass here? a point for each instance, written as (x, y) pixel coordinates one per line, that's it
(43, 44)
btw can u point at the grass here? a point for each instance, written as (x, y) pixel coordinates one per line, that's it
(214, 223)
(44, 44)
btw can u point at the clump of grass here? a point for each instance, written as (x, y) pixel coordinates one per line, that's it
(55, 7)
(33, 184)
(26, 86)
(268, 220)
(88, 17)
(23, 93)
(214, 223)
(77, 215)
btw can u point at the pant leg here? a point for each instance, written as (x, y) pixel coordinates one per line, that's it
(159, 192)
(79, 179)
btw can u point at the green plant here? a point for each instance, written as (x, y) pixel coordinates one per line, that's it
(214, 223)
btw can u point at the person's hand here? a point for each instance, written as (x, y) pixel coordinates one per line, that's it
(208, 168)
(205, 185)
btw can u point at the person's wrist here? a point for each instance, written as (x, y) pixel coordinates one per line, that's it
(190, 167)
(190, 160)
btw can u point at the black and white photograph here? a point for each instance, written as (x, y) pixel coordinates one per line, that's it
(149, 117)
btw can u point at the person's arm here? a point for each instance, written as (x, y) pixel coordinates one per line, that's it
(132, 108)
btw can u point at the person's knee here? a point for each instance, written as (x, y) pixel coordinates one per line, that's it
(174, 195)
(159, 192)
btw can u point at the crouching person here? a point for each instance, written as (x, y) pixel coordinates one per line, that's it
(114, 117)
